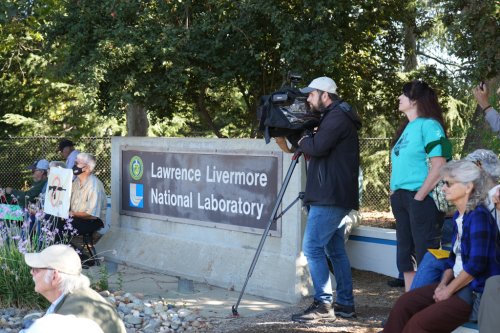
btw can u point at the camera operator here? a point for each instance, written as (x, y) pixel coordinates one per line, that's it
(331, 192)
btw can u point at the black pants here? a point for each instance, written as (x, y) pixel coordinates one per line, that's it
(85, 226)
(418, 228)
(82, 226)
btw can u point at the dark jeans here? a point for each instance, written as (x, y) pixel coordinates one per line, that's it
(418, 228)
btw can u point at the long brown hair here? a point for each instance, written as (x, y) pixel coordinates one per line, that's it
(427, 105)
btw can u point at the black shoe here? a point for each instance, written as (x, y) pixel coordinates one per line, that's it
(315, 312)
(344, 311)
(396, 283)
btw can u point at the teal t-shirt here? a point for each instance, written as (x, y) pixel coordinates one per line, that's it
(408, 156)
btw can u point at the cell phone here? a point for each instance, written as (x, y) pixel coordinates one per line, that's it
(481, 85)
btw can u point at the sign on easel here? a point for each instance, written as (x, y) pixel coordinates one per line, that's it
(58, 194)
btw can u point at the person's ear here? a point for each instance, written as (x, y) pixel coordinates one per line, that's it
(324, 96)
(55, 278)
(468, 188)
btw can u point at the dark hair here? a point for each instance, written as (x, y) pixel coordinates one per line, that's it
(427, 105)
(332, 96)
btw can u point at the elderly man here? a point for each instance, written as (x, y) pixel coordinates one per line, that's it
(88, 198)
(39, 171)
(57, 275)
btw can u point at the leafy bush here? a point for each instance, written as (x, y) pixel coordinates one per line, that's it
(17, 237)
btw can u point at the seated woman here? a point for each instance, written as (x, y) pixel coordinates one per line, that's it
(475, 256)
(431, 269)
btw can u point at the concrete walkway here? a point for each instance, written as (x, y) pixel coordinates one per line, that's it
(212, 302)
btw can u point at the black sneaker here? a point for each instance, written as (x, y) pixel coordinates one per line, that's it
(344, 311)
(315, 312)
(396, 283)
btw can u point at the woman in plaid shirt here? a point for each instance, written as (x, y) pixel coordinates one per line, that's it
(475, 256)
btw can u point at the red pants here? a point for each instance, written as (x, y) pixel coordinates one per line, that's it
(416, 311)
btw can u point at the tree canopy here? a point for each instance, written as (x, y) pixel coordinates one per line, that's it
(199, 67)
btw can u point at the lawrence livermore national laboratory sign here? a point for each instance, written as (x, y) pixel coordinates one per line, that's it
(229, 191)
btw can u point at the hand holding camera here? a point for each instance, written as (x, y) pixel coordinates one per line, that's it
(481, 94)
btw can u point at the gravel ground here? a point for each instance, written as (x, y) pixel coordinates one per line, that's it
(373, 299)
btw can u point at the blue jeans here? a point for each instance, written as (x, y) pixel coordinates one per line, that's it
(429, 271)
(323, 235)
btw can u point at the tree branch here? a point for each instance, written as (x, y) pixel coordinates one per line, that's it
(441, 61)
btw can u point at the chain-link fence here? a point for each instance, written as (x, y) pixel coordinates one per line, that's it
(376, 171)
(17, 153)
(20, 152)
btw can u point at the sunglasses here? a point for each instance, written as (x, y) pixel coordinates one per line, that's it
(449, 183)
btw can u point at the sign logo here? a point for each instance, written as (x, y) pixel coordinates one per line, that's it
(136, 168)
(56, 187)
(136, 195)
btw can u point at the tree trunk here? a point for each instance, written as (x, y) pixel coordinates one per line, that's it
(137, 120)
(201, 107)
(410, 43)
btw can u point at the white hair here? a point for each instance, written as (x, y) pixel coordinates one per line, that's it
(67, 282)
(87, 159)
(468, 172)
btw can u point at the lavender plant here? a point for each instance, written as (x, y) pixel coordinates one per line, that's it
(25, 230)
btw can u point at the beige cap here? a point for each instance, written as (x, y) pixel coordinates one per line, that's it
(59, 257)
(321, 83)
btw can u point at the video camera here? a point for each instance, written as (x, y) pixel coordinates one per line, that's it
(286, 113)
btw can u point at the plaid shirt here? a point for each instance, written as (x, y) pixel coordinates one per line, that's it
(480, 246)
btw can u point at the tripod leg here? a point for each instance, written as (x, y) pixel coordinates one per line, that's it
(295, 161)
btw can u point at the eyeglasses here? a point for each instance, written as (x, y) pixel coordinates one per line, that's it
(38, 270)
(449, 183)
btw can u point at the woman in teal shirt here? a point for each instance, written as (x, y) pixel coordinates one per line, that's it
(418, 151)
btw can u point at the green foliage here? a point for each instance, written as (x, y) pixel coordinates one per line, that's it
(212, 60)
(474, 30)
(119, 281)
(103, 279)
(16, 283)
(17, 238)
(199, 67)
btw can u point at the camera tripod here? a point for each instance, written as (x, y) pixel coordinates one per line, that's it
(272, 219)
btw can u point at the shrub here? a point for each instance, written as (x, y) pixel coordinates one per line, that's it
(31, 233)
